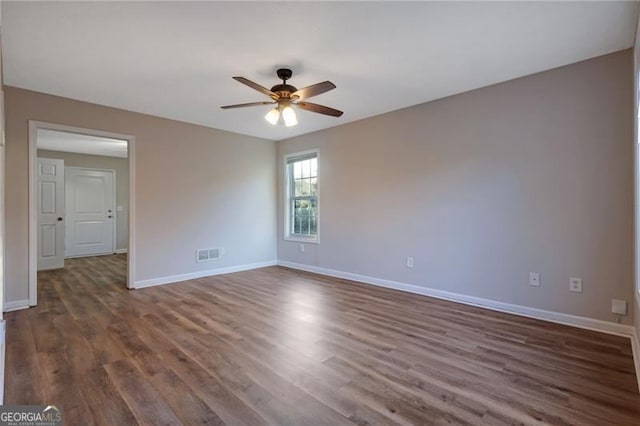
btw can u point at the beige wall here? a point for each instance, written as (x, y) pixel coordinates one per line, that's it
(121, 167)
(196, 187)
(636, 282)
(2, 219)
(531, 175)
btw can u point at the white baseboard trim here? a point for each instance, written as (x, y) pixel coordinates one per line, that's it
(2, 352)
(525, 311)
(16, 305)
(121, 251)
(635, 346)
(635, 341)
(201, 274)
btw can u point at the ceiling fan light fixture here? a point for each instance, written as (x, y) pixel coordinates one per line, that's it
(273, 116)
(285, 96)
(289, 116)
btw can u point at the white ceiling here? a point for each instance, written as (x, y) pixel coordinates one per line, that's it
(81, 144)
(176, 60)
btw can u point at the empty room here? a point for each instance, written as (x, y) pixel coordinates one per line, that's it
(319, 213)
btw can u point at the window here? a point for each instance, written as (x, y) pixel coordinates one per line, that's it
(302, 197)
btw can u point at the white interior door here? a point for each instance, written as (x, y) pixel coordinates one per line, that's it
(90, 196)
(50, 214)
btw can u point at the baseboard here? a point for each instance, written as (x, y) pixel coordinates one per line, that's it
(2, 352)
(201, 274)
(635, 346)
(16, 305)
(635, 341)
(121, 251)
(525, 311)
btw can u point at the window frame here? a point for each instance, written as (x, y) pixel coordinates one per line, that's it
(288, 187)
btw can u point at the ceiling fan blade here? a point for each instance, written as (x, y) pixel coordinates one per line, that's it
(320, 109)
(250, 104)
(255, 86)
(313, 90)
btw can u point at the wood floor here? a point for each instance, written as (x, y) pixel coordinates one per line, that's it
(276, 346)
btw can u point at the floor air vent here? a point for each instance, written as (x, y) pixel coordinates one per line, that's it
(205, 255)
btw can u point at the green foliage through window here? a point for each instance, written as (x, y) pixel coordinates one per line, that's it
(303, 197)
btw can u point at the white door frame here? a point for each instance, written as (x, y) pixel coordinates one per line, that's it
(113, 207)
(33, 217)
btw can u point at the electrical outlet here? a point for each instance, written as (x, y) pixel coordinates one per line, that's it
(301, 248)
(575, 285)
(534, 279)
(409, 262)
(619, 307)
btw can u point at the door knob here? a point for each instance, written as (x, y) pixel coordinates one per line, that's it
(110, 216)
(59, 219)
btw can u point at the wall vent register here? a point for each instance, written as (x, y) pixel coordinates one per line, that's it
(205, 255)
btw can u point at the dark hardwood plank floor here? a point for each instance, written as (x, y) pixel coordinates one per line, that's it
(277, 346)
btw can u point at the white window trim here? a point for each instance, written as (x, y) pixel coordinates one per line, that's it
(287, 204)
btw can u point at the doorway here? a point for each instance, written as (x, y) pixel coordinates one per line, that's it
(81, 199)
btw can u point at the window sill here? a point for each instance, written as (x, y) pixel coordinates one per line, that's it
(314, 240)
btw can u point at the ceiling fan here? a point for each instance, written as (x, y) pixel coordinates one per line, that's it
(284, 96)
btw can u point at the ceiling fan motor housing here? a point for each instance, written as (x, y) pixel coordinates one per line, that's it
(283, 90)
